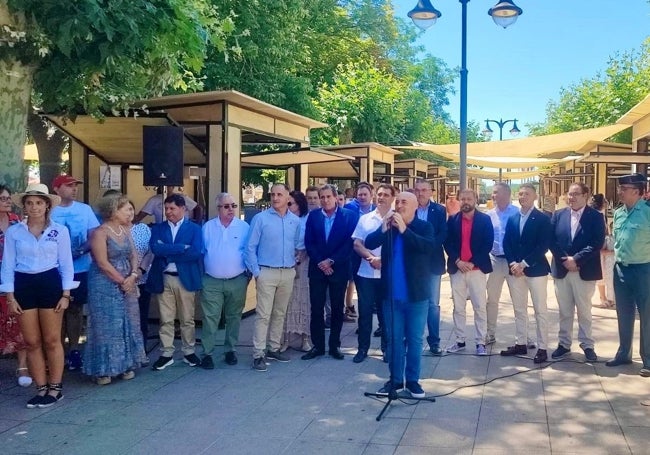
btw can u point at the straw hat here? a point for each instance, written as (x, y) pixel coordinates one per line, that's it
(36, 189)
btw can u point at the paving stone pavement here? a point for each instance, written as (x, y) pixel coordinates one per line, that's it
(485, 405)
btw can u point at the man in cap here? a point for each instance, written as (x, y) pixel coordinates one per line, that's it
(632, 269)
(80, 219)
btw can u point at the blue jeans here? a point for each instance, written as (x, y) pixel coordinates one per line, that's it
(370, 296)
(404, 327)
(433, 317)
(632, 290)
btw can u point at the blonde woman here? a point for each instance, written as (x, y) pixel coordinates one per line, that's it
(37, 275)
(115, 346)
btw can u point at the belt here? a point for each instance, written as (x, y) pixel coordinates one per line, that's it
(228, 279)
(269, 267)
(171, 273)
(500, 256)
(630, 265)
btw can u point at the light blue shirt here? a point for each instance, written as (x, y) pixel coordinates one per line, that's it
(499, 220)
(423, 212)
(273, 240)
(80, 219)
(26, 254)
(329, 222)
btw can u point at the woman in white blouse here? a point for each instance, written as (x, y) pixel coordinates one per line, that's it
(37, 275)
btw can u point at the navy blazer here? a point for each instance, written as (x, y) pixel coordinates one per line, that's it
(531, 245)
(437, 217)
(419, 245)
(585, 246)
(337, 247)
(189, 261)
(480, 243)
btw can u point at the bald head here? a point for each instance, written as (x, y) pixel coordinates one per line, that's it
(406, 204)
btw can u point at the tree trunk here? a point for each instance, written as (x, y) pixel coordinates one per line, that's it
(50, 147)
(15, 91)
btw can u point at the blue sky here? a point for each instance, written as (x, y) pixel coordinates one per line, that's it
(513, 73)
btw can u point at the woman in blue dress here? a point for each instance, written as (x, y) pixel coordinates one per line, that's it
(115, 346)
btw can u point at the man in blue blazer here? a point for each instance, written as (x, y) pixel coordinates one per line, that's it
(469, 240)
(525, 244)
(328, 241)
(175, 277)
(578, 234)
(436, 215)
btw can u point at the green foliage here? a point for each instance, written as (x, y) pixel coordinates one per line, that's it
(603, 99)
(95, 56)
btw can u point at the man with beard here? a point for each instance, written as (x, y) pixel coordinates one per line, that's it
(577, 235)
(469, 240)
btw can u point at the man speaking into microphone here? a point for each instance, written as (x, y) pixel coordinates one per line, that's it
(407, 245)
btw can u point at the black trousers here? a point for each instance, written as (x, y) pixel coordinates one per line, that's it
(318, 287)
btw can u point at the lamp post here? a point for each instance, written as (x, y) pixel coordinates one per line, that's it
(487, 132)
(424, 15)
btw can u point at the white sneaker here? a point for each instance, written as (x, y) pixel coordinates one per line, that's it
(456, 347)
(480, 349)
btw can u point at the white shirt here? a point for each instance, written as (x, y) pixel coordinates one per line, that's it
(575, 220)
(26, 254)
(171, 267)
(368, 224)
(154, 206)
(225, 248)
(499, 220)
(523, 219)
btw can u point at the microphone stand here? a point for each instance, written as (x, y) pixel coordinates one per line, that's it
(392, 393)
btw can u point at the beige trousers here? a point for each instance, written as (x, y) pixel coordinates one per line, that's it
(174, 302)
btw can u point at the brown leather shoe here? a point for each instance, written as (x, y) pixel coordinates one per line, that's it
(541, 356)
(517, 349)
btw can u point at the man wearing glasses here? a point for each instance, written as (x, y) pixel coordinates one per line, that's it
(632, 269)
(225, 280)
(577, 235)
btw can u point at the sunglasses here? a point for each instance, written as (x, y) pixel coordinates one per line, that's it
(228, 206)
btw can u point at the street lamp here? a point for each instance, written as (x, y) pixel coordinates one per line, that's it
(487, 132)
(424, 15)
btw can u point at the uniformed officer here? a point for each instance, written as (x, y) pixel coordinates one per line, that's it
(632, 269)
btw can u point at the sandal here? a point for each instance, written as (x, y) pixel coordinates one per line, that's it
(48, 400)
(103, 380)
(24, 380)
(38, 398)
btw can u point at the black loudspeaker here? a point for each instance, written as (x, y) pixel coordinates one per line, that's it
(162, 155)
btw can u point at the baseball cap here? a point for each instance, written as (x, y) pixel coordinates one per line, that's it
(64, 180)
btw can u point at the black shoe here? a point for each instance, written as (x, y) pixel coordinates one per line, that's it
(359, 356)
(192, 360)
(617, 362)
(560, 352)
(541, 356)
(207, 363)
(312, 354)
(377, 333)
(48, 400)
(162, 363)
(388, 387)
(37, 399)
(590, 354)
(436, 351)
(231, 358)
(517, 349)
(336, 354)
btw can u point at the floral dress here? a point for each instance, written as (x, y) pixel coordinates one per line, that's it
(11, 339)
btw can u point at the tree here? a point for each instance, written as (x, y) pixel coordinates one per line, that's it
(93, 57)
(603, 99)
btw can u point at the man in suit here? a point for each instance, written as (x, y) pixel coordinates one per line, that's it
(577, 235)
(175, 277)
(469, 241)
(525, 244)
(407, 244)
(328, 241)
(435, 214)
